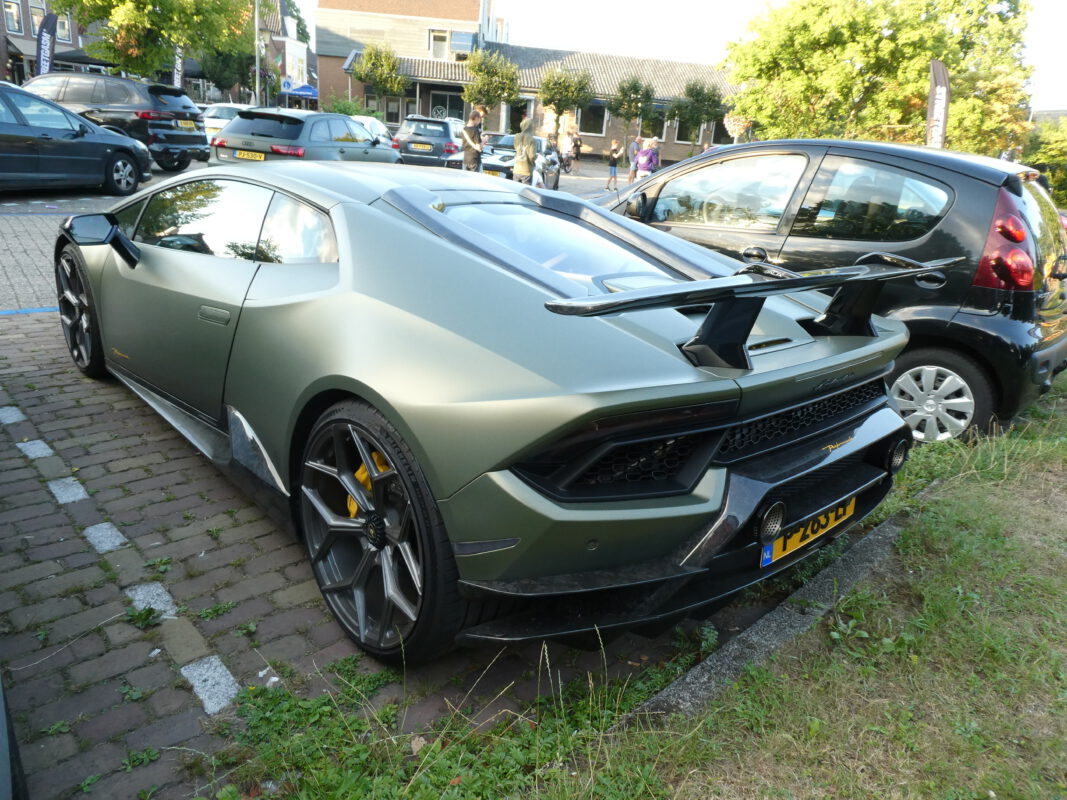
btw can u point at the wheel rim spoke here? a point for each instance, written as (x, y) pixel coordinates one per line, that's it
(412, 564)
(391, 581)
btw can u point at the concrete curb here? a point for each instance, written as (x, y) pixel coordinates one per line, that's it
(796, 614)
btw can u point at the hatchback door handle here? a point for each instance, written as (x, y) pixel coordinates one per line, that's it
(931, 280)
(754, 254)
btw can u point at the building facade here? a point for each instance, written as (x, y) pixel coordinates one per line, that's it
(22, 19)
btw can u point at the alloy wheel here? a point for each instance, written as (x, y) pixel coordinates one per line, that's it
(74, 311)
(123, 176)
(935, 401)
(362, 535)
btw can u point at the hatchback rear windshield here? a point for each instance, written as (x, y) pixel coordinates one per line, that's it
(423, 128)
(269, 127)
(173, 98)
(223, 112)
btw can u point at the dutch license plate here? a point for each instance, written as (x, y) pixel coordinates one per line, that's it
(809, 531)
(493, 172)
(420, 146)
(186, 123)
(248, 154)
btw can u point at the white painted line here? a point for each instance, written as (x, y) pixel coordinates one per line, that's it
(67, 490)
(154, 595)
(104, 537)
(9, 414)
(212, 683)
(35, 449)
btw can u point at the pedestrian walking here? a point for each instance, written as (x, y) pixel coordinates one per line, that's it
(525, 153)
(472, 143)
(613, 164)
(648, 158)
(631, 152)
(576, 148)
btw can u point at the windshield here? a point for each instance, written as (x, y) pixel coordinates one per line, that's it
(272, 127)
(557, 242)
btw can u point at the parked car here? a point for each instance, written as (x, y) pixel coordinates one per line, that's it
(267, 134)
(218, 115)
(499, 160)
(374, 126)
(468, 393)
(987, 334)
(43, 145)
(164, 118)
(427, 141)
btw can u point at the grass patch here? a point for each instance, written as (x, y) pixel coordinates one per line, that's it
(943, 676)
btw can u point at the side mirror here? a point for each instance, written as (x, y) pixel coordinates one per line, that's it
(93, 229)
(83, 130)
(637, 206)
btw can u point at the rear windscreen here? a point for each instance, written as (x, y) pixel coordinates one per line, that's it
(268, 127)
(172, 98)
(421, 128)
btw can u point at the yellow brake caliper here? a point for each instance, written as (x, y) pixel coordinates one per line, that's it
(363, 476)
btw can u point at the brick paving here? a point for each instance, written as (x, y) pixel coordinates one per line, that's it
(67, 651)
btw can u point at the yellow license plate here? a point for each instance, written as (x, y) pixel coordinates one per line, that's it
(809, 531)
(493, 172)
(186, 123)
(247, 154)
(420, 146)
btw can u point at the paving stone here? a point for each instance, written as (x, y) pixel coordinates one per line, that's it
(67, 490)
(52, 467)
(64, 777)
(18, 575)
(104, 537)
(208, 582)
(212, 683)
(110, 665)
(75, 624)
(170, 701)
(254, 609)
(153, 595)
(45, 752)
(44, 611)
(35, 692)
(289, 649)
(251, 587)
(183, 641)
(122, 785)
(10, 414)
(54, 585)
(108, 724)
(64, 547)
(296, 620)
(300, 594)
(35, 449)
(152, 677)
(70, 707)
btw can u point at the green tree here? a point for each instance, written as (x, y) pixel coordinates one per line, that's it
(632, 100)
(341, 105)
(495, 80)
(698, 104)
(565, 91)
(1046, 149)
(380, 68)
(860, 68)
(140, 36)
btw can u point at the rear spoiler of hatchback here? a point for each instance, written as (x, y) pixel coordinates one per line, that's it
(736, 302)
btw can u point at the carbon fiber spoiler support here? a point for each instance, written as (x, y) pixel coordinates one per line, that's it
(736, 302)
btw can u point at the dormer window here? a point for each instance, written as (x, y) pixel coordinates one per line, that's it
(438, 44)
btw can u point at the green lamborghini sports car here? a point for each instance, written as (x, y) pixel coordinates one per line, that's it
(492, 413)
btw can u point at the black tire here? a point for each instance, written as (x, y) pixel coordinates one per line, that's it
(121, 175)
(375, 538)
(565, 164)
(173, 164)
(556, 184)
(942, 394)
(77, 313)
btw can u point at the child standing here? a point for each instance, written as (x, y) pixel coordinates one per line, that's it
(613, 164)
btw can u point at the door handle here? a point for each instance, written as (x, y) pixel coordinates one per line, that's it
(931, 280)
(45, 136)
(754, 254)
(219, 316)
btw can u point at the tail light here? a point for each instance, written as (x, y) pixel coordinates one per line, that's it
(396, 146)
(1008, 258)
(155, 115)
(450, 148)
(287, 150)
(218, 141)
(199, 117)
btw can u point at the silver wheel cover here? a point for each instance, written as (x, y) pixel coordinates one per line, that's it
(935, 401)
(122, 174)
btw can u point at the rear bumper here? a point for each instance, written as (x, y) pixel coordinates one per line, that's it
(200, 152)
(683, 554)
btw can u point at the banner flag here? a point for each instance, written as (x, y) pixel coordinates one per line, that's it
(937, 105)
(46, 43)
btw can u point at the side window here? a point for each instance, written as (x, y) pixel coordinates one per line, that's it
(854, 199)
(116, 93)
(128, 217)
(48, 88)
(40, 114)
(215, 217)
(79, 90)
(357, 132)
(339, 132)
(6, 114)
(320, 131)
(740, 193)
(296, 233)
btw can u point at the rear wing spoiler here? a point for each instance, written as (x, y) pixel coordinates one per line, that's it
(736, 302)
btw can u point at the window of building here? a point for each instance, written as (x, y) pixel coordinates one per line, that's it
(438, 44)
(370, 102)
(686, 133)
(655, 124)
(13, 17)
(63, 28)
(37, 13)
(593, 120)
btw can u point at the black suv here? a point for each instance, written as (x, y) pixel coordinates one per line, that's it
(427, 141)
(987, 334)
(163, 117)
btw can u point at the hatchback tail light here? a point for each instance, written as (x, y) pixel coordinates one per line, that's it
(155, 115)
(450, 148)
(218, 141)
(287, 150)
(396, 146)
(1008, 258)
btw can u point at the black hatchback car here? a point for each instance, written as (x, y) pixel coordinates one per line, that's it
(43, 145)
(163, 117)
(427, 141)
(988, 334)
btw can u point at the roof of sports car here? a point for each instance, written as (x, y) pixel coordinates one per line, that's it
(327, 183)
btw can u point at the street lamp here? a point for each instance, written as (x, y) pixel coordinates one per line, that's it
(255, 44)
